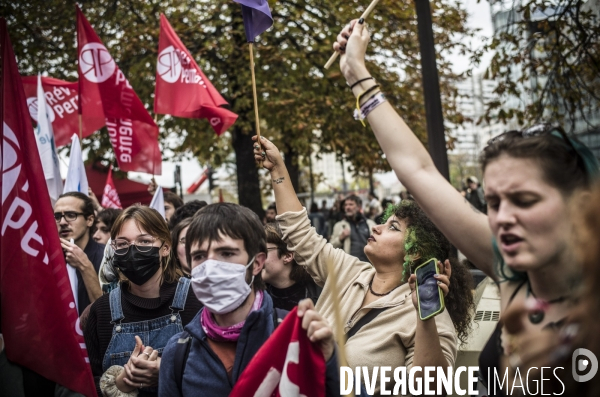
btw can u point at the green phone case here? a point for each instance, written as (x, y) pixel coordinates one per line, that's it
(442, 303)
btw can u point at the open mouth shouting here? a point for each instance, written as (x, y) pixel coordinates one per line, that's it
(510, 243)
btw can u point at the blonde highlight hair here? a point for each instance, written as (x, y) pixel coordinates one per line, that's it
(153, 223)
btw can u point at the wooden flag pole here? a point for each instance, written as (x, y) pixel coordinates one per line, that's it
(364, 16)
(251, 49)
(339, 334)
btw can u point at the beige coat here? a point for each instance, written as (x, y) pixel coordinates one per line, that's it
(389, 339)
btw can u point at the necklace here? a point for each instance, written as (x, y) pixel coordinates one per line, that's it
(537, 316)
(375, 293)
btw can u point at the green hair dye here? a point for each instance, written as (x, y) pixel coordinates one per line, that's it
(422, 240)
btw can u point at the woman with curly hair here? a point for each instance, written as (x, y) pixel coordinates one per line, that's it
(377, 303)
(423, 241)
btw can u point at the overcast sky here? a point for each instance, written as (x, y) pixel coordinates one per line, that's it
(479, 17)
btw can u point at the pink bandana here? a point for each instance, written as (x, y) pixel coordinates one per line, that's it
(226, 334)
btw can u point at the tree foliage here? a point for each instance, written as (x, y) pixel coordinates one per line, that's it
(548, 57)
(302, 107)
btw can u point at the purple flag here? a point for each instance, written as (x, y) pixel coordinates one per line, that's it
(257, 17)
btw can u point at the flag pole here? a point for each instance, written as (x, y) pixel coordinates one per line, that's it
(364, 16)
(153, 164)
(80, 128)
(339, 334)
(251, 49)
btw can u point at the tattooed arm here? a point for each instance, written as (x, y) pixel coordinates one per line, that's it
(285, 195)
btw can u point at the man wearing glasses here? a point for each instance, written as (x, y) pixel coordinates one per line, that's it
(74, 215)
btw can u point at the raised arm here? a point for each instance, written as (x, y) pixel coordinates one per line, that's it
(285, 195)
(462, 224)
(311, 250)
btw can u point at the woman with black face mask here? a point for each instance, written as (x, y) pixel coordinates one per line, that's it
(127, 329)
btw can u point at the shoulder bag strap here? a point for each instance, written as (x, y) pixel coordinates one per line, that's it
(367, 318)
(182, 351)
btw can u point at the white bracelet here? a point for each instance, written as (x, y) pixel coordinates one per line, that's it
(108, 383)
(369, 106)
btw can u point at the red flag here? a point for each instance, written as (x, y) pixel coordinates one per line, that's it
(110, 197)
(63, 103)
(182, 89)
(40, 324)
(194, 186)
(288, 364)
(105, 92)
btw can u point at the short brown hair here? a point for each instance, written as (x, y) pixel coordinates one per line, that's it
(175, 237)
(274, 236)
(87, 207)
(560, 164)
(154, 224)
(231, 220)
(172, 198)
(353, 197)
(108, 216)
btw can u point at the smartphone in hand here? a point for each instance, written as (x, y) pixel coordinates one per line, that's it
(429, 295)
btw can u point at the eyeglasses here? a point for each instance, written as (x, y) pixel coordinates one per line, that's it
(536, 130)
(143, 243)
(69, 216)
(556, 131)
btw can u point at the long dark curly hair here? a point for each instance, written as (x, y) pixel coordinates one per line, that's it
(424, 241)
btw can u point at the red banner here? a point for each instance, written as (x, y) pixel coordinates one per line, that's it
(63, 104)
(105, 92)
(40, 324)
(110, 197)
(288, 364)
(182, 90)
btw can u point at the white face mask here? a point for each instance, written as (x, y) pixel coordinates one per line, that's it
(221, 286)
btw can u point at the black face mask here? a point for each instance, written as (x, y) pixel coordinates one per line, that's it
(137, 266)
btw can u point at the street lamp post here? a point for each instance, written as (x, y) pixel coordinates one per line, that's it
(431, 89)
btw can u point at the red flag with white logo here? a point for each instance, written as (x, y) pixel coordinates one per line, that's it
(105, 92)
(40, 324)
(62, 103)
(182, 89)
(110, 197)
(288, 364)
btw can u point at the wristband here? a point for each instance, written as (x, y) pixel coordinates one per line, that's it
(369, 106)
(370, 89)
(360, 81)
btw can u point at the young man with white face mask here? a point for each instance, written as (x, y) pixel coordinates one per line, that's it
(226, 249)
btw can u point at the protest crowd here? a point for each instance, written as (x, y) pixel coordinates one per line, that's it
(198, 299)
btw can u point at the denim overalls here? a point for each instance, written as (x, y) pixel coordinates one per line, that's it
(154, 333)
